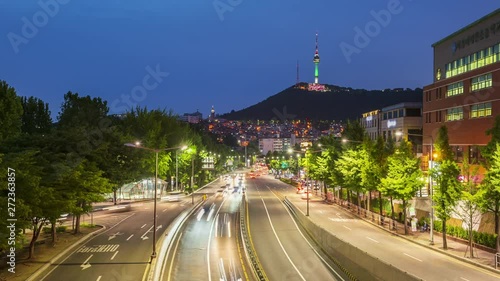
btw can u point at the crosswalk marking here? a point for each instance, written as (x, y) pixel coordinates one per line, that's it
(99, 248)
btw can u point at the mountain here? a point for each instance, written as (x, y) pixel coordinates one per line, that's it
(340, 103)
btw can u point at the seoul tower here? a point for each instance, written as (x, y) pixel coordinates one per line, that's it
(316, 62)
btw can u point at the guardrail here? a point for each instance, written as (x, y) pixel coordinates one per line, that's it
(247, 243)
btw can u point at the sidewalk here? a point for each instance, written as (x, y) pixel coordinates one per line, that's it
(456, 248)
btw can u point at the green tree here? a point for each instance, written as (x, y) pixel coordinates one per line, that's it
(85, 184)
(442, 145)
(350, 165)
(488, 150)
(468, 208)
(404, 176)
(11, 112)
(36, 116)
(490, 189)
(447, 192)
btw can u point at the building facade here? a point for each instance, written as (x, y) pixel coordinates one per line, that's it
(403, 121)
(465, 93)
(371, 122)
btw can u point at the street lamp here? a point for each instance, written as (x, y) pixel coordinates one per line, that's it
(177, 168)
(431, 191)
(156, 151)
(307, 188)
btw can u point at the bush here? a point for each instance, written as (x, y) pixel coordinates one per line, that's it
(47, 230)
(61, 229)
(438, 225)
(481, 238)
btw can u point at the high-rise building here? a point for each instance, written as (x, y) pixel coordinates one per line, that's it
(465, 94)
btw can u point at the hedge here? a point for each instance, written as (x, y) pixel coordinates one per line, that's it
(481, 238)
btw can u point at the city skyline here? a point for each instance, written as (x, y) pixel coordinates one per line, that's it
(230, 54)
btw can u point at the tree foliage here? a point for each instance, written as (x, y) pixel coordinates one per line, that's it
(447, 192)
(11, 112)
(442, 145)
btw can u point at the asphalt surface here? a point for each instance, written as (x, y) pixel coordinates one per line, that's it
(121, 252)
(417, 260)
(206, 248)
(284, 250)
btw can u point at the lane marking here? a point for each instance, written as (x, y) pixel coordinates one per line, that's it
(307, 241)
(143, 225)
(210, 239)
(86, 263)
(173, 255)
(99, 278)
(164, 210)
(279, 242)
(464, 279)
(144, 237)
(216, 225)
(114, 255)
(412, 257)
(347, 227)
(372, 239)
(68, 256)
(130, 237)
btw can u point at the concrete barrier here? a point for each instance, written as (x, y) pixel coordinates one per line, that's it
(350, 258)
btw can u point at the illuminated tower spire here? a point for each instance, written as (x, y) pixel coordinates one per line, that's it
(316, 62)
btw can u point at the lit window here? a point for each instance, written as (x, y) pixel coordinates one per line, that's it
(453, 114)
(481, 82)
(455, 89)
(480, 110)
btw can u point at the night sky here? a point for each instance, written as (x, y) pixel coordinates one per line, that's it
(226, 53)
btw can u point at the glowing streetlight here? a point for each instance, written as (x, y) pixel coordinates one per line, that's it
(156, 151)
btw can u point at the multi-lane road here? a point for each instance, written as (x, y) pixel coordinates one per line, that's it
(208, 247)
(419, 261)
(283, 248)
(121, 252)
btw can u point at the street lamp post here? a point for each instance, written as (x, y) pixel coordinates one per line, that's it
(156, 151)
(431, 187)
(307, 187)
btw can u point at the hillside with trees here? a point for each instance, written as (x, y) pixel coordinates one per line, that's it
(340, 103)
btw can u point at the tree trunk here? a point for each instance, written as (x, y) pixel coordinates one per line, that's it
(380, 205)
(325, 190)
(358, 202)
(392, 209)
(37, 227)
(77, 224)
(114, 196)
(404, 217)
(53, 232)
(497, 231)
(445, 245)
(470, 234)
